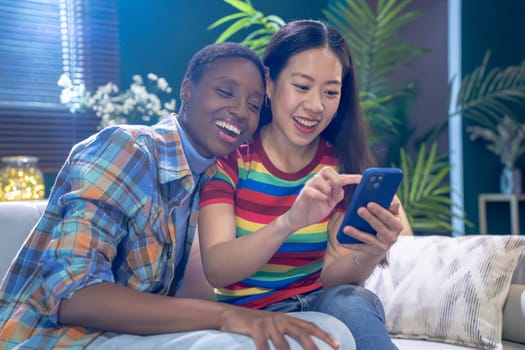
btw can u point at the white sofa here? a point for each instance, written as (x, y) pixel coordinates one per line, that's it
(17, 219)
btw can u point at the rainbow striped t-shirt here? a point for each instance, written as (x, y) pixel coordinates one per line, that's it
(260, 193)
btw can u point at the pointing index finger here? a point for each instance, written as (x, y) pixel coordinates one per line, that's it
(349, 179)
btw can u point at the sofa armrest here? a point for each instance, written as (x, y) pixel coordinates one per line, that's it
(17, 218)
(514, 314)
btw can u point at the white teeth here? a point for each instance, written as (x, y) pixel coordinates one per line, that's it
(229, 127)
(307, 123)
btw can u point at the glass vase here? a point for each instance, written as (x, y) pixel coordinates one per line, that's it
(510, 180)
(21, 179)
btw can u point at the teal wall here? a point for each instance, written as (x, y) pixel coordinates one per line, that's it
(496, 26)
(160, 36)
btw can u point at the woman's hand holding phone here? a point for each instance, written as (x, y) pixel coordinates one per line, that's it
(378, 185)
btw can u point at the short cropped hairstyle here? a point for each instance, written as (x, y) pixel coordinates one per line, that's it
(206, 56)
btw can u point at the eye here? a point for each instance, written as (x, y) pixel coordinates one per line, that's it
(332, 93)
(301, 87)
(224, 92)
(254, 107)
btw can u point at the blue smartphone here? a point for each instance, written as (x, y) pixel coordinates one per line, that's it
(377, 185)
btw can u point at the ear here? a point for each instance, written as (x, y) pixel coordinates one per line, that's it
(185, 90)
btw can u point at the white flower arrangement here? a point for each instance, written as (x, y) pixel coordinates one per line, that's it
(507, 140)
(140, 104)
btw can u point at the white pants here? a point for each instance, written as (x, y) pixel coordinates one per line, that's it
(212, 339)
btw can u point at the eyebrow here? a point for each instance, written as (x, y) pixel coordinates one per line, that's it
(307, 77)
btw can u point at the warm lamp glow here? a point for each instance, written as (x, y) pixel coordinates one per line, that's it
(20, 179)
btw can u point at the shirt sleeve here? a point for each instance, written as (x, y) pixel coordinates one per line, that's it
(221, 187)
(105, 183)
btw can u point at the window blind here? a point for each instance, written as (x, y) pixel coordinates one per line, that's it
(40, 40)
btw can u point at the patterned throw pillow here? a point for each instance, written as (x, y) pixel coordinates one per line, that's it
(448, 289)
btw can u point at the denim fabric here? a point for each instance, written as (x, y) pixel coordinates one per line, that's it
(212, 339)
(357, 307)
(302, 302)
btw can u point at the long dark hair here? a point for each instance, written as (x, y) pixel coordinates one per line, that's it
(347, 131)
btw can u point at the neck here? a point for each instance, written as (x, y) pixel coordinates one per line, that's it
(285, 155)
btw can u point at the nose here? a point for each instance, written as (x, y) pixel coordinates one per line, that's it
(239, 109)
(314, 102)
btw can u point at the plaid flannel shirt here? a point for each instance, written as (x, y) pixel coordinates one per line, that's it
(109, 218)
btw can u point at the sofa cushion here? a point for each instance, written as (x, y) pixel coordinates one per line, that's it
(16, 221)
(448, 289)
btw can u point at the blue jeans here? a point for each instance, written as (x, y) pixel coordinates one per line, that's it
(357, 307)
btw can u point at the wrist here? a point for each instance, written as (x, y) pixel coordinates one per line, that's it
(361, 259)
(223, 313)
(284, 225)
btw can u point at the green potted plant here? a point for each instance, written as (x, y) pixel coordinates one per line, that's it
(372, 34)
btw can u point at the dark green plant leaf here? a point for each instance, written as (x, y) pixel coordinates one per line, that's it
(425, 193)
(486, 95)
(372, 35)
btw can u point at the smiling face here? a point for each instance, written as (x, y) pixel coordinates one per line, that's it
(306, 95)
(223, 106)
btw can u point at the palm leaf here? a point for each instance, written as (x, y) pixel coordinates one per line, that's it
(374, 111)
(485, 96)
(424, 192)
(225, 19)
(260, 27)
(276, 21)
(241, 5)
(372, 37)
(234, 28)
